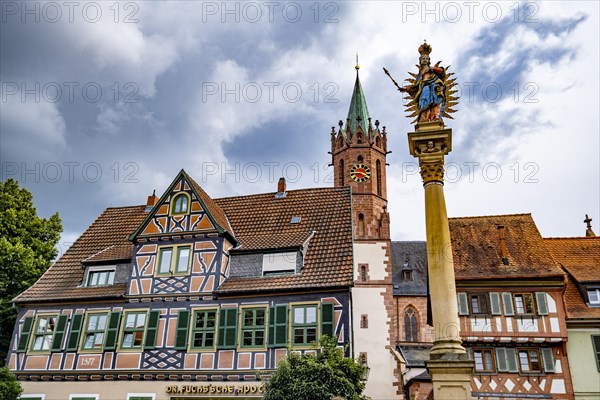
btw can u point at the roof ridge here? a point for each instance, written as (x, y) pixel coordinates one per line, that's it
(494, 215)
(341, 189)
(121, 207)
(572, 238)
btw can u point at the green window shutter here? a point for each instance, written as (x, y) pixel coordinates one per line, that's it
(508, 304)
(463, 308)
(271, 326)
(511, 360)
(152, 330)
(73, 341)
(183, 325)
(547, 360)
(501, 359)
(596, 345)
(542, 303)
(59, 333)
(25, 332)
(327, 320)
(278, 325)
(227, 328)
(113, 331)
(495, 303)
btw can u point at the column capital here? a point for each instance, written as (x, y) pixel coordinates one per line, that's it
(430, 146)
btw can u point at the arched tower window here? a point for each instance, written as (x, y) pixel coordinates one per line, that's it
(342, 173)
(377, 141)
(411, 327)
(340, 142)
(378, 176)
(361, 225)
(363, 273)
(180, 204)
(360, 159)
(359, 138)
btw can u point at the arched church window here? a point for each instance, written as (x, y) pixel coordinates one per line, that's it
(359, 138)
(410, 325)
(360, 159)
(361, 225)
(363, 273)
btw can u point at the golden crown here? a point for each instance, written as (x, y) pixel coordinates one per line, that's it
(424, 49)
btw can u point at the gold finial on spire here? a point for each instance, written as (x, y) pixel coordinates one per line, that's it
(357, 67)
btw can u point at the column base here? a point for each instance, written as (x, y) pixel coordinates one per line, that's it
(446, 347)
(451, 377)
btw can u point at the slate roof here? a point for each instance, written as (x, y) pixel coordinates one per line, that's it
(477, 253)
(259, 222)
(327, 211)
(109, 231)
(414, 254)
(580, 257)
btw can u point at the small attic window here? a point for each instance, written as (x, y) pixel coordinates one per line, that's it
(407, 275)
(180, 204)
(279, 263)
(295, 220)
(100, 276)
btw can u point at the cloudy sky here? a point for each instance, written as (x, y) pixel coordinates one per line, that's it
(102, 102)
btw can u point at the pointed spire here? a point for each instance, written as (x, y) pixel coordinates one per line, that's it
(358, 106)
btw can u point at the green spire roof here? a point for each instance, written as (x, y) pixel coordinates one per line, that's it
(358, 106)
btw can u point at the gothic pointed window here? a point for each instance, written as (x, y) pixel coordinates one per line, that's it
(361, 225)
(410, 325)
(377, 142)
(342, 173)
(378, 176)
(359, 138)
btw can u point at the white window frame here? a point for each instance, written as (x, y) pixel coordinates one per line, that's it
(95, 396)
(152, 395)
(32, 396)
(279, 263)
(597, 302)
(100, 268)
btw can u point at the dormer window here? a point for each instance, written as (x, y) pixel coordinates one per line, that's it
(594, 296)
(101, 276)
(279, 263)
(180, 204)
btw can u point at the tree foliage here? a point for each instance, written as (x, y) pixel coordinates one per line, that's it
(321, 376)
(27, 248)
(10, 388)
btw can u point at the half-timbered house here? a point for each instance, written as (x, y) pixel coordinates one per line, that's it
(511, 311)
(188, 295)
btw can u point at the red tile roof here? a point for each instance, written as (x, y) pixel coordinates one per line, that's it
(580, 256)
(63, 279)
(212, 207)
(122, 252)
(258, 221)
(477, 253)
(327, 211)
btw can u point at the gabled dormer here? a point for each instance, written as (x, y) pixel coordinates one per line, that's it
(184, 208)
(182, 246)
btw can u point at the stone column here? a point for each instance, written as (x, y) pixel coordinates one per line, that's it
(449, 364)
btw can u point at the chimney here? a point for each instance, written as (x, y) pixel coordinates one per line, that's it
(151, 201)
(281, 193)
(503, 245)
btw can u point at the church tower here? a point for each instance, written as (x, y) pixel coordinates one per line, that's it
(359, 150)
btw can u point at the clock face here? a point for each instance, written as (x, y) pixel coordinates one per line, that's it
(360, 173)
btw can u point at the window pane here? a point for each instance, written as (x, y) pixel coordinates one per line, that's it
(298, 335)
(111, 278)
(478, 360)
(519, 304)
(165, 261)
(311, 334)
(487, 359)
(183, 259)
(127, 339)
(311, 315)
(593, 295)
(535, 363)
(298, 315)
(524, 361)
